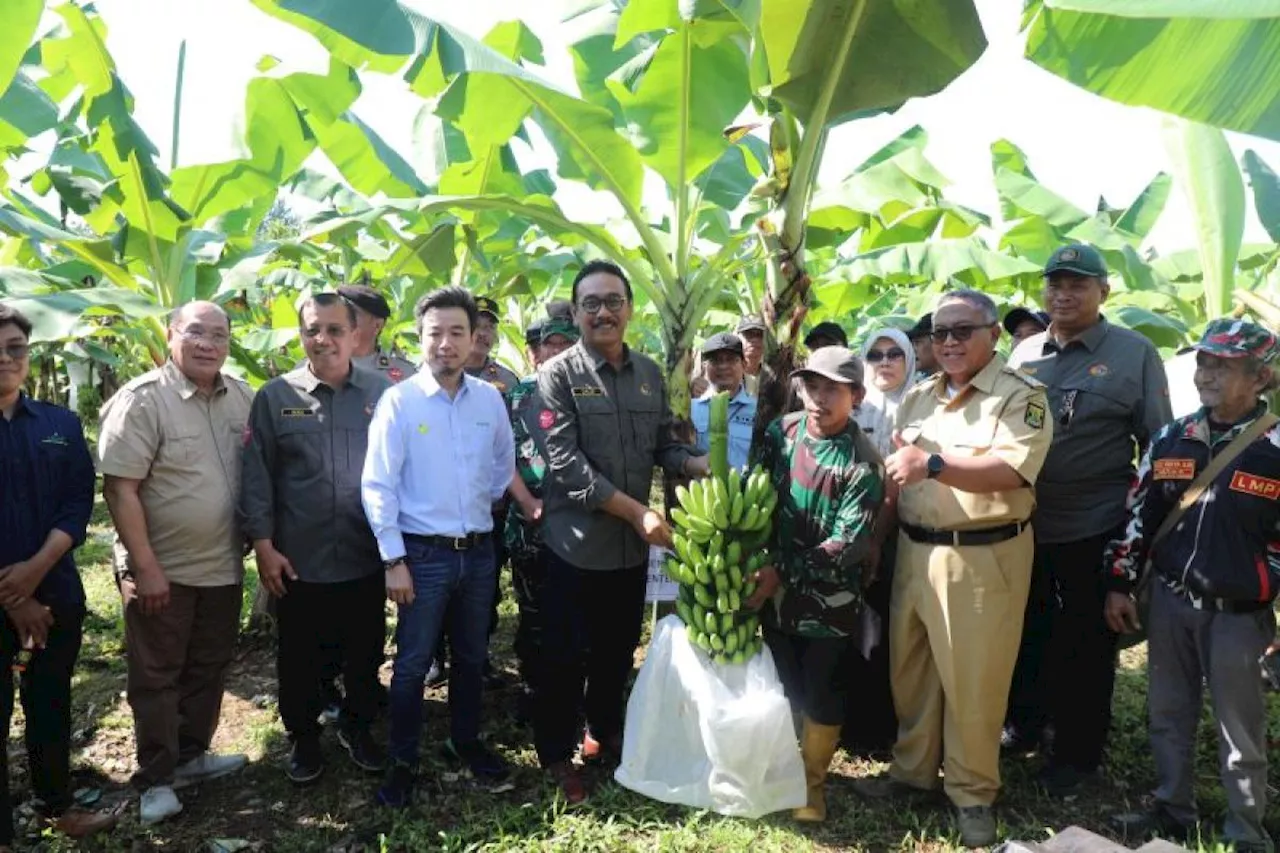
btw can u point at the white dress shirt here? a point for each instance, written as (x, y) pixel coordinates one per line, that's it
(435, 464)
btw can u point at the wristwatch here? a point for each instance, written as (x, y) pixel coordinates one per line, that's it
(935, 465)
(388, 565)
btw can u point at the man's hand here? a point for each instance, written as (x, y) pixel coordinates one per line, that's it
(908, 464)
(653, 528)
(151, 588)
(767, 583)
(399, 584)
(698, 386)
(1121, 613)
(31, 621)
(697, 466)
(531, 509)
(17, 582)
(273, 567)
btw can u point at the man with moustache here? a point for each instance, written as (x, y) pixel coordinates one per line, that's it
(300, 506)
(170, 454)
(725, 366)
(440, 453)
(969, 446)
(602, 424)
(1108, 395)
(480, 363)
(751, 330)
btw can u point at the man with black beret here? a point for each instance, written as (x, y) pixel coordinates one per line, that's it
(480, 363)
(1021, 323)
(826, 334)
(372, 313)
(919, 335)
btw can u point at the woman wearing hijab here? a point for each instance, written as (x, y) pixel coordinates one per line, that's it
(871, 724)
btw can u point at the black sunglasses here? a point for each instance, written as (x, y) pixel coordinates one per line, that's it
(960, 333)
(876, 356)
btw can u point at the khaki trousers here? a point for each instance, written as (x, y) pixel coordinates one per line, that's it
(955, 621)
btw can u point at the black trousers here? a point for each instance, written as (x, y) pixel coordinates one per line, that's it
(871, 723)
(815, 673)
(1067, 663)
(528, 579)
(323, 622)
(46, 702)
(591, 622)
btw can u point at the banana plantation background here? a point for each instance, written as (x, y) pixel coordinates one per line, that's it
(705, 120)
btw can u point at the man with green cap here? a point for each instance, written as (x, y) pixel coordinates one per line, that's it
(1216, 573)
(372, 313)
(1107, 396)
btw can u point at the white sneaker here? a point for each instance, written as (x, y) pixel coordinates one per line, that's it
(207, 766)
(158, 803)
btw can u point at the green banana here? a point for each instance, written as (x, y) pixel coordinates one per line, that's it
(720, 580)
(735, 575)
(750, 518)
(735, 601)
(737, 508)
(716, 642)
(702, 574)
(712, 624)
(733, 553)
(722, 602)
(738, 657)
(682, 609)
(702, 596)
(731, 643)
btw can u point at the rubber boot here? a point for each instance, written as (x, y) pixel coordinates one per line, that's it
(817, 746)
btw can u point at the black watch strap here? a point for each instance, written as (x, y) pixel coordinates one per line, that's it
(388, 565)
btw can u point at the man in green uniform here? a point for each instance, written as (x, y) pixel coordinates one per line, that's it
(372, 313)
(830, 483)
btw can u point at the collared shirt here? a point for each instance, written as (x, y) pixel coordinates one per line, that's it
(436, 463)
(390, 364)
(601, 429)
(46, 484)
(1234, 527)
(185, 448)
(1107, 396)
(1000, 413)
(300, 484)
(742, 419)
(496, 375)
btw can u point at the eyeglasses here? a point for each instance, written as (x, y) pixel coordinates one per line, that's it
(196, 333)
(17, 352)
(876, 356)
(592, 304)
(960, 333)
(330, 331)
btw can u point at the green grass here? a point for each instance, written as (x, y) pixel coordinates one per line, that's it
(260, 806)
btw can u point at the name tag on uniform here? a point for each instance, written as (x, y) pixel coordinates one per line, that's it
(1175, 469)
(1252, 484)
(296, 413)
(588, 391)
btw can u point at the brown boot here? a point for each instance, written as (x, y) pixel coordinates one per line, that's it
(76, 822)
(817, 746)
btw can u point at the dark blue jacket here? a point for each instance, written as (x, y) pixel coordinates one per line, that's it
(1233, 527)
(46, 483)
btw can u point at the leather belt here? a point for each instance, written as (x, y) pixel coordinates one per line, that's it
(961, 538)
(453, 543)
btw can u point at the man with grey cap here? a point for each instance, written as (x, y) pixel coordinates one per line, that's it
(751, 330)
(725, 367)
(1107, 396)
(372, 313)
(1215, 575)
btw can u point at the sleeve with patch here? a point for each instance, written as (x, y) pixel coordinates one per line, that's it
(1024, 431)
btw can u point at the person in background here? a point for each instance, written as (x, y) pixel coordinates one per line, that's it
(372, 313)
(830, 481)
(725, 367)
(300, 507)
(480, 363)
(46, 496)
(890, 361)
(1216, 574)
(826, 334)
(170, 454)
(1022, 323)
(1108, 396)
(926, 361)
(751, 330)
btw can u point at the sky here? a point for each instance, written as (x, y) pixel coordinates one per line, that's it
(1079, 145)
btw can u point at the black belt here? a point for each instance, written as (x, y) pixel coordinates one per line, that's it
(453, 543)
(960, 538)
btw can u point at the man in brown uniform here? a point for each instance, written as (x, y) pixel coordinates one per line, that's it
(170, 453)
(970, 444)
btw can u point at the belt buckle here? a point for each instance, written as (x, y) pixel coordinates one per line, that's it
(955, 538)
(460, 543)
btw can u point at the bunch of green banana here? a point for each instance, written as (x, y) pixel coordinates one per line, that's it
(722, 525)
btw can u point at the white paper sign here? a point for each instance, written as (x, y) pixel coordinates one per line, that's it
(660, 587)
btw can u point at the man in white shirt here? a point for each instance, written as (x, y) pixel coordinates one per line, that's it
(440, 454)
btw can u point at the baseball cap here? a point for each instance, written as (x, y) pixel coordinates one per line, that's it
(838, 364)
(721, 342)
(1017, 316)
(560, 309)
(922, 327)
(485, 305)
(1228, 337)
(533, 333)
(827, 330)
(751, 322)
(559, 326)
(1078, 258)
(366, 299)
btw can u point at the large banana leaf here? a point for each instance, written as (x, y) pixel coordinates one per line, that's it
(21, 17)
(1209, 61)
(1266, 193)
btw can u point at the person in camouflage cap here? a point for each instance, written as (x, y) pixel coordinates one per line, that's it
(830, 483)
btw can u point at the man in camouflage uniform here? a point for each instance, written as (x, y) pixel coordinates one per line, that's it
(372, 313)
(546, 338)
(830, 483)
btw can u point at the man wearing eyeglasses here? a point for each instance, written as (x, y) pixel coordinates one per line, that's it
(726, 368)
(1107, 395)
(300, 507)
(602, 421)
(170, 454)
(970, 443)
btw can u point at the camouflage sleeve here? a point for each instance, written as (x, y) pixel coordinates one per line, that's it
(1124, 558)
(840, 556)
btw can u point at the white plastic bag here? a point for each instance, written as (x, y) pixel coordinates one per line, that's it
(710, 736)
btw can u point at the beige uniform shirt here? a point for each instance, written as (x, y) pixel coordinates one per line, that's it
(1001, 413)
(186, 451)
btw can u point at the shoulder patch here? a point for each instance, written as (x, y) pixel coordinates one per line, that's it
(1034, 417)
(1252, 484)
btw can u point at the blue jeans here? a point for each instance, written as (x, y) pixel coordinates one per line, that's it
(453, 585)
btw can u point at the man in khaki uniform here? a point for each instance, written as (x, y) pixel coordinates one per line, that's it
(970, 444)
(170, 453)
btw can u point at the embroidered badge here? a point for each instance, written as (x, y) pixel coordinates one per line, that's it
(645, 389)
(1099, 369)
(588, 391)
(546, 418)
(56, 438)
(423, 429)
(1035, 415)
(1068, 255)
(296, 413)
(501, 386)
(1252, 484)
(1175, 469)
(395, 374)
(383, 361)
